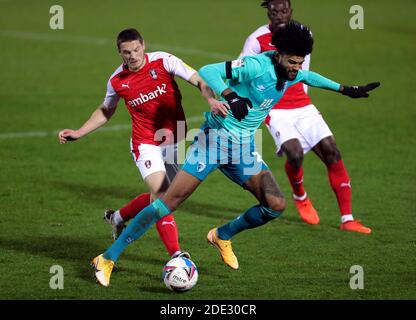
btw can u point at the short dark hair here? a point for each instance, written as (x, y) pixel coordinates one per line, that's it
(266, 3)
(295, 39)
(128, 35)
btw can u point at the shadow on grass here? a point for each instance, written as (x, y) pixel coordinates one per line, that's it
(76, 251)
(97, 195)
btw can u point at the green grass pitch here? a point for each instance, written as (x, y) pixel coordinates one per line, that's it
(52, 197)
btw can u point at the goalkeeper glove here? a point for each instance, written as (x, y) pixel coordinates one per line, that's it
(359, 91)
(239, 105)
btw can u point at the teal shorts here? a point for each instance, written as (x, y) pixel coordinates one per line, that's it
(211, 150)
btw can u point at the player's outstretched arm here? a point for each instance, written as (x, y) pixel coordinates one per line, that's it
(314, 79)
(97, 119)
(359, 91)
(217, 107)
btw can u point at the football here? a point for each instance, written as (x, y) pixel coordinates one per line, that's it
(180, 274)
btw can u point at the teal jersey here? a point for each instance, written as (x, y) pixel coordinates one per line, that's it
(253, 77)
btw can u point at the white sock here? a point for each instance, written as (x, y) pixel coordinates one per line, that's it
(117, 219)
(176, 252)
(346, 218)
(301, 198)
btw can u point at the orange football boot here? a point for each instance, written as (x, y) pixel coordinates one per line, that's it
(354, 225)
(306, 211)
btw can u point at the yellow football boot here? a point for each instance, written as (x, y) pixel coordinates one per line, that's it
(225, 248)
(103, 268)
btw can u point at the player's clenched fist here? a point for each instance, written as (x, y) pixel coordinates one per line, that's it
(68, 135)
(239, 105)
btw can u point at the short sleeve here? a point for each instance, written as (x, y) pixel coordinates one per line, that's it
(251, 47)
(305, 66)
(177, 67)
(111, 98)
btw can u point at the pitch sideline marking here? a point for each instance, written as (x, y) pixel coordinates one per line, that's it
(105, 41)
(116, 127)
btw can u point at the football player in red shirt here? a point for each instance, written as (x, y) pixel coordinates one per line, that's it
(146, 83)
(297, 127)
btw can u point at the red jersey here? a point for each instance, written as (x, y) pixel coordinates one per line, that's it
(152, 97)
(260, 41)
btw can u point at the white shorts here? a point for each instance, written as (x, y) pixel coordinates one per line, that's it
(305, 124)
(157, 158)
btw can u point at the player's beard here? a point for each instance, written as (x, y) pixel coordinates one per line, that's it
(282, 76)
(294, 73)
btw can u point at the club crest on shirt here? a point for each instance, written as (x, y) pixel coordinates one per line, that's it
(148, 164)
(237, 63)
(153, 73)
(201, 167)
(277, 134)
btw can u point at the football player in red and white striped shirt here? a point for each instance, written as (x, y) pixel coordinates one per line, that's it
(297, 127)
(146, 83)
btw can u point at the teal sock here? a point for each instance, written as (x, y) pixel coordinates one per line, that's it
(138, 226)
(254, 217)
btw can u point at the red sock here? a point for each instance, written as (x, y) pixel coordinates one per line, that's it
(166, 227)
(340, 183)
(130, 210)
(295, 178)
(168, 232)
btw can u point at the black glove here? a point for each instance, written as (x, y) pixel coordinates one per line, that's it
(359, 91)
(239, 105)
